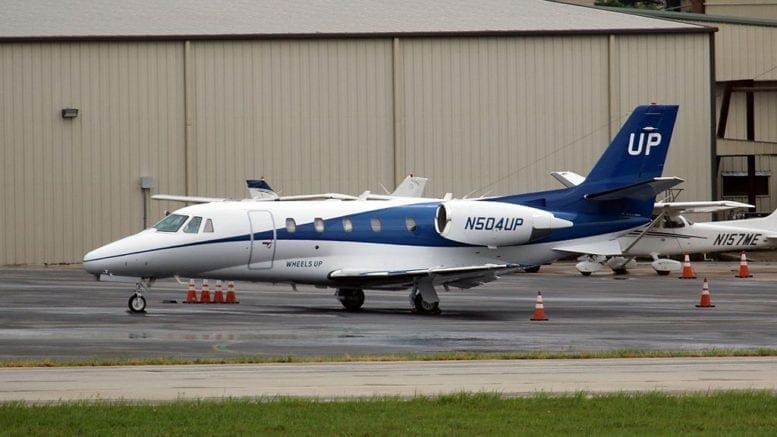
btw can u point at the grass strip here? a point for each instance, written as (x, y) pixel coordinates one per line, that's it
(437, 356)
(459, 414)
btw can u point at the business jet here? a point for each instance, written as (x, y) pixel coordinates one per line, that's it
(401, 243)
(671, 233)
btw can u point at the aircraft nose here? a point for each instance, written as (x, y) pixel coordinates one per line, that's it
(94, 261)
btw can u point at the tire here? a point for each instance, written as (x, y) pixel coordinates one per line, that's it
(351, 299)
(585, 273)
(663, 272)
(424, 307)
(532, 269)
(137, 303)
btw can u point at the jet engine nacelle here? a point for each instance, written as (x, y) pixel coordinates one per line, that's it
(493, 224)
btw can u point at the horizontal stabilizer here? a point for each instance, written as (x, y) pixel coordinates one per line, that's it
(642, 190)
(568, 178)
(605, 248)
(674, 208)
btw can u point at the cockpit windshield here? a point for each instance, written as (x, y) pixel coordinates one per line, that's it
(171, 223)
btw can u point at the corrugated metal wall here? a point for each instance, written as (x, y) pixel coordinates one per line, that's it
(72, 184)
(745, 52)
(496, 115)
(762, 9)
(310, 115)
(493, 115)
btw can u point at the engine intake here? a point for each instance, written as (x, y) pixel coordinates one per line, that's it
(493, 224)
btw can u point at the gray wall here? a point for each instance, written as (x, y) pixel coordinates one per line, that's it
(489, 115)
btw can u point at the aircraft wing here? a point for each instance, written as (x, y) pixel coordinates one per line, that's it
(190, 199)
(675, 208)
(462, 277)
(604, 247)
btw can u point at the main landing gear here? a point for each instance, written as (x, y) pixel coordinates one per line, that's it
(424, 298)
(137, 302)
(351, 298)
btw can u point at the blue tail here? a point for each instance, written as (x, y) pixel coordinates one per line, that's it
(639, 150)
(625, 180)
(627, 177)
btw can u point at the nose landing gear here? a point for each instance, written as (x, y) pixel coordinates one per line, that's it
(137, 302)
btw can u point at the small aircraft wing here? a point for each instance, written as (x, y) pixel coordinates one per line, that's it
(190, 199)
(462, 277)
(411, 186)
(675, 208)
(604, 247)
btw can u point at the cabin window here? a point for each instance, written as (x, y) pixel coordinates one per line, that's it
(318, 224)
(193, 226)
(291, 225)
(208, 226)
(375, 224)
(347, 224)
(171, 223)
(410, 224)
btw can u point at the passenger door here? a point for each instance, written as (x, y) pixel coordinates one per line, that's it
(262, 240)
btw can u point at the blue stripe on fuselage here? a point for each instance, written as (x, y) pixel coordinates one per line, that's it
(394, 229)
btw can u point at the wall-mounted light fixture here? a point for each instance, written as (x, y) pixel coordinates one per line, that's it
(69, 112)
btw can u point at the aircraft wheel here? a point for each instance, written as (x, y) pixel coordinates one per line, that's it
(424, 307)
(585, 273)
(137, 303)
(663, 272)
(351, 299)
(620, 271)
(532, 269)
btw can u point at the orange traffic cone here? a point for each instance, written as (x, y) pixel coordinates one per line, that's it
(687, 270)
(218, 297)
(705, 301)
(205, 295)
(191, 295)
(231, 297)
(744, 270)
(539, 309)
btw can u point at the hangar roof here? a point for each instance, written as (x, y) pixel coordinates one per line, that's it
(191, 19)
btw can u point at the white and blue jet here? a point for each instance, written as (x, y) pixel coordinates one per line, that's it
(400, 243)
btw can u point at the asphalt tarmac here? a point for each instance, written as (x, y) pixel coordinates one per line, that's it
(61, 313)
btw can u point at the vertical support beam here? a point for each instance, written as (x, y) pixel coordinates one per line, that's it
(613, 86)
(188, 103)
(714, 160)
(724, 107)
(399, 113)
(751, 181)
(750, 112)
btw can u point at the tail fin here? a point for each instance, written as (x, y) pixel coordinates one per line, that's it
(259, 189)
(639, 150)
(627, 178)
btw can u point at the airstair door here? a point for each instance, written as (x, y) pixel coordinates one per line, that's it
(262, 240)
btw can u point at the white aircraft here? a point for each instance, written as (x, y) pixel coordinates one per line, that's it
(670, 233)
(260, 190)
(401, 242)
